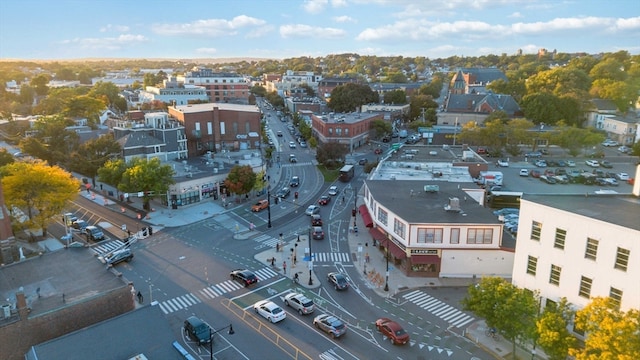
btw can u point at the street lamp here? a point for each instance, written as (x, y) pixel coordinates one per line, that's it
(386, 277)
(211, 333)
(310, 258)
(268, 201)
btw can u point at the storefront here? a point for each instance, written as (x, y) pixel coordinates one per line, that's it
(397, 255)
(425, 262)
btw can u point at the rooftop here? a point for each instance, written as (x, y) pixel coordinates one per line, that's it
(616, 209)
(196, 108)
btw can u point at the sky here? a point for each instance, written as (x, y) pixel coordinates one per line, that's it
(278, 29)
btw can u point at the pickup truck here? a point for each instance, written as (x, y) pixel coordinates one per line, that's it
(260, 205)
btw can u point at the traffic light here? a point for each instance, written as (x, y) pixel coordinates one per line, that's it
(353, 212)
(295, 194)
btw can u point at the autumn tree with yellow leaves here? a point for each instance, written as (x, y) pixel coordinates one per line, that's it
(41, 191)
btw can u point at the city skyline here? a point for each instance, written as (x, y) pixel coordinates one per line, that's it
(278, 29)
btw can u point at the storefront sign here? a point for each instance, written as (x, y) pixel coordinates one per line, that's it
(424, 251)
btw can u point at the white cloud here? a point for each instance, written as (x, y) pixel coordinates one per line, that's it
(628, 24)
(206, 51)
(344, 19)
(515, 15)
(116, 28)
(108, 43)
(306, 31)
(314, 6)
(210, 27)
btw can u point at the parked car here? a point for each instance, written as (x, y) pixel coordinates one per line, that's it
(270, 311)
(622, 176)
(292, 145)
(540, 163)
(481, 151)
(524, 172)
(624, 149)
(303, 144)
(533, 154)
(393, 331)
(611, 181)
(535, 173)
(502, 163)
(571, 163)
(324, 200)
(316, 220)
(94, 233)
(377, 151)
(197, 330)
(610, 142)
(279, 133)
(244, 276)
(330, 324)
(561, 163)
(606, 164)
(80, 225)
(260, 205)
(302, 304)
(312, 210)
(333, 190)
(363, 161)
(549, 172)
(592, 163)
(318, 233)
(338, 280)
(548, 179)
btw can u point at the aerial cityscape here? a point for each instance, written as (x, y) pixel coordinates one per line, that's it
(321, 179)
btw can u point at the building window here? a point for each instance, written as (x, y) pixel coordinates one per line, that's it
(430, 236)
(622, 259)
(338, 131)
(479, 236)
(592, 249)
(561, 235)
(382, 216)
(616, 296)
(346, 132)
(330, 131)
(554, 277)
(399, 228)
(532, 264)
(536, 229)
(585, 287)
(455, 236)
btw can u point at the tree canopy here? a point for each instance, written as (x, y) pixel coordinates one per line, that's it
(241, 180)
(349, 97)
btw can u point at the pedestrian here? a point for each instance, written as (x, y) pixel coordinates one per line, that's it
(101, 187)
(278, 247)
(284, 267)
(355, 229)
(273, 261)
(140, 298)
(343, 198)
(366, 257)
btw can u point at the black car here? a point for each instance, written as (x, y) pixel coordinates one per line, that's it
(284, 192)
(244, 276)
(324, 200)
(197, 330)
(338, 280)
(295, 181)
(363, 161)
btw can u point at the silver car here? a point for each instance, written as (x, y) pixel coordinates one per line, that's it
(302, 304)
(330, 324)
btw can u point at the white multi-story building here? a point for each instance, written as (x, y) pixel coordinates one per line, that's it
(580, 247)
(173, 92)
(221, 87)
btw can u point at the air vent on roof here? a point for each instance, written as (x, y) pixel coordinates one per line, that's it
(453, 205)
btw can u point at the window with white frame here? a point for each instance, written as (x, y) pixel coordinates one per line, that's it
(585, 287)
(554, 276)
(536, 229)
(592, 249)
(455, 236)
(561, 235)
(383, 216)
(479, 236)
(429, 235)
(622, 259)
(616, 296)
(399, 227)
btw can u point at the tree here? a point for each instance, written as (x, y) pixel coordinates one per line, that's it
(349, 97)
(380, 128)
(39, 84)
(5, 157)
(553, 334)
(93, 154)
(148, 176)
(574, 139)
(420, 102)
(258, 90)
(560, 81)
(42, 191)
(241, 180)
(493, 298)
(611, 334)
(85, 106)
(111, 172)
(308, 89)
(52, 141)
(331, 154)
(108, 92)
(398, 97)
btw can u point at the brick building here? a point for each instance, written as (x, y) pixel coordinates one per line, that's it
(349, 129)
(220, 86)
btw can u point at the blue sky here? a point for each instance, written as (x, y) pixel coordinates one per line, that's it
(184, 29)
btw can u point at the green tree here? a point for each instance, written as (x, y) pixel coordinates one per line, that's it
(420, 103)
(39, 84)
(493, 297)
(107, 92)
(560, 81)
(5, 157)
(148, 176)
(349, 97)
(611, 334)
(380, 128)
(541, 107)
(84, 106)
(331, 154)
(241, 180)
(308, 89)
(52, 141)
(553, 334)
(258, 90)
(42, 191)
(111, 172)
(93, 154)
(574, 139)
(397, 97)
(621, 93)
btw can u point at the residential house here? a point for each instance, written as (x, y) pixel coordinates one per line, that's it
(599, 110)
(623, 128)
(474, 80)
(464, 108)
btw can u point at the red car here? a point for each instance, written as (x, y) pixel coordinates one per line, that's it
(324, 200)
(393, 331)
(535, 173)
(377, 151)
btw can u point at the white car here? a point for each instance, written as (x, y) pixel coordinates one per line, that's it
(624, 149)
(270, 311)
(571, 163)
(622, 176)
(502, 163)
(592, 163)
(609, 142)
(312, 210)
(333, 190)
(524, 172)
(292, 145)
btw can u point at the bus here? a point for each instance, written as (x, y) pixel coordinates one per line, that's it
(346, 173)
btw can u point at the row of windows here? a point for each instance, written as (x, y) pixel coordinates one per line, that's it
(585, 282)
(591, 249)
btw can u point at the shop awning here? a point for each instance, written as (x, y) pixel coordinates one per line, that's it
(377, 235)
(366, 217)
(425, 259)
(394, 249)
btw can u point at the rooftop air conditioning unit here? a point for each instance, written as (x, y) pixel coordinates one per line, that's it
(453, 206)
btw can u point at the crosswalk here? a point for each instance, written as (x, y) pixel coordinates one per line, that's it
(265, 241)
(438, 308)
(210, 292)
(107, 247)
(330, 257)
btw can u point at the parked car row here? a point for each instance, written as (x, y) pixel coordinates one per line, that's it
(510, 217)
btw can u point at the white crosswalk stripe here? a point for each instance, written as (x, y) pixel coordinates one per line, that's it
(107, 247)
(331, 257)
(438, 308)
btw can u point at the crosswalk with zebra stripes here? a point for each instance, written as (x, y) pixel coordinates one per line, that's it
(266, 241)
(106, 247)
(438, 308)
(210, 292)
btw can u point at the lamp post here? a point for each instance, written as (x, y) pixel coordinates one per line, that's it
(310, 257)
(211, 333)
(268, 201)
(386, 277)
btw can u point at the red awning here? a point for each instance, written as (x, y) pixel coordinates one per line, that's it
(377, 235)
(366, 217)
(394, 249)
(425, 259)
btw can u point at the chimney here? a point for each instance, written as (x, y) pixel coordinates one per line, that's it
(21, 304)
